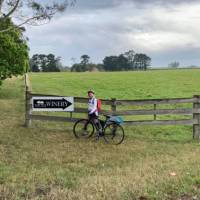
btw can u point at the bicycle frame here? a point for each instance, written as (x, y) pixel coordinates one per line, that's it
(102, 123)
(109, 129)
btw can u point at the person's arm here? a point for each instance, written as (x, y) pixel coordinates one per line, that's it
(94, 108)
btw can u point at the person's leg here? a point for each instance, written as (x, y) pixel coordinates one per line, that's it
(97, 124)
(87, 122)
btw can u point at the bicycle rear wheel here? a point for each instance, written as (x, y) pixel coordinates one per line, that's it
(114, 133)
(83, 128)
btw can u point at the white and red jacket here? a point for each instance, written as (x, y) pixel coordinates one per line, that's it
(92, 106)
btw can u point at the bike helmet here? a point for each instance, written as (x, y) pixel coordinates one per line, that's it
(90, 91)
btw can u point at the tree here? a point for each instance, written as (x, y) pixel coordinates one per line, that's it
(34, 67)
(174, 64)
(45, 63)
(30, 11)
(141, 61)
(13, 52)
(84, 62)
(34, 63)
(77, 67)
(122, 63)
(116, 63)
(52, 63)
(59, 64)
(86, 65)
(110, 63)
(85, 59)
(130, 55)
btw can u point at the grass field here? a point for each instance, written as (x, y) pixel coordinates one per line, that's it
(121, 85)
(47, 162)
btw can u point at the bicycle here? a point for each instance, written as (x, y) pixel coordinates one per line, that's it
(112, 131)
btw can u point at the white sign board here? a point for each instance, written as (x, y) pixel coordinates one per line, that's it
(62, 104)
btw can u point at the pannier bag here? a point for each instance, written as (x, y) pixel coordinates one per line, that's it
(116, 119)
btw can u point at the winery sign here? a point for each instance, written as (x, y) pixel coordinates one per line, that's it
(45, 103)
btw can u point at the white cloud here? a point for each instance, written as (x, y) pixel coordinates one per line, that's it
(152, 29)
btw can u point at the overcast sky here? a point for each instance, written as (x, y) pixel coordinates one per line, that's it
(164, 31)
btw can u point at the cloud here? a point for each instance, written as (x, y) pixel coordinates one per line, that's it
(105, 28)
(107, 4)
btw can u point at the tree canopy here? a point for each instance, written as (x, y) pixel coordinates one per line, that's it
(13, 51)
(45, 63)
(127, 61)
(85, 65)
(174, 64)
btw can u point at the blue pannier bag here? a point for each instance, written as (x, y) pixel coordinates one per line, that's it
(116, 119)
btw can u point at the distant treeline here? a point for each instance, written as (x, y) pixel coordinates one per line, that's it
(123, 62)
(45, 63)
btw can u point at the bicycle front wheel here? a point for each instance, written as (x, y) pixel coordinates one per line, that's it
(114, 133)
(83, 128)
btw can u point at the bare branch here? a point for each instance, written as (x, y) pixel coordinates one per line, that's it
(40, 13)
(19, 26)
(12, 10)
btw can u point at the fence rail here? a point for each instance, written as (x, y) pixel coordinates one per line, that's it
(194, 112)
(156, 101)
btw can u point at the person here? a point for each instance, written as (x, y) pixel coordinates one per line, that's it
(93, 113)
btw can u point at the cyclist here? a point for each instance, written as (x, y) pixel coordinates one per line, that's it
(93, 112)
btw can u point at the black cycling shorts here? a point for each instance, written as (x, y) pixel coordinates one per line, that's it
(92, 116)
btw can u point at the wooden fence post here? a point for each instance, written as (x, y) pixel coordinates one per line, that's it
(154, 109)
(196, 116)
(70, 115)
(27, 102)
(113, 106)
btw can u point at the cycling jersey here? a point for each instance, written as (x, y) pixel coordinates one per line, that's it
(92, 106)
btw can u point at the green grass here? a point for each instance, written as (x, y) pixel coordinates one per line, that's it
(47, 162)
(121, 85)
